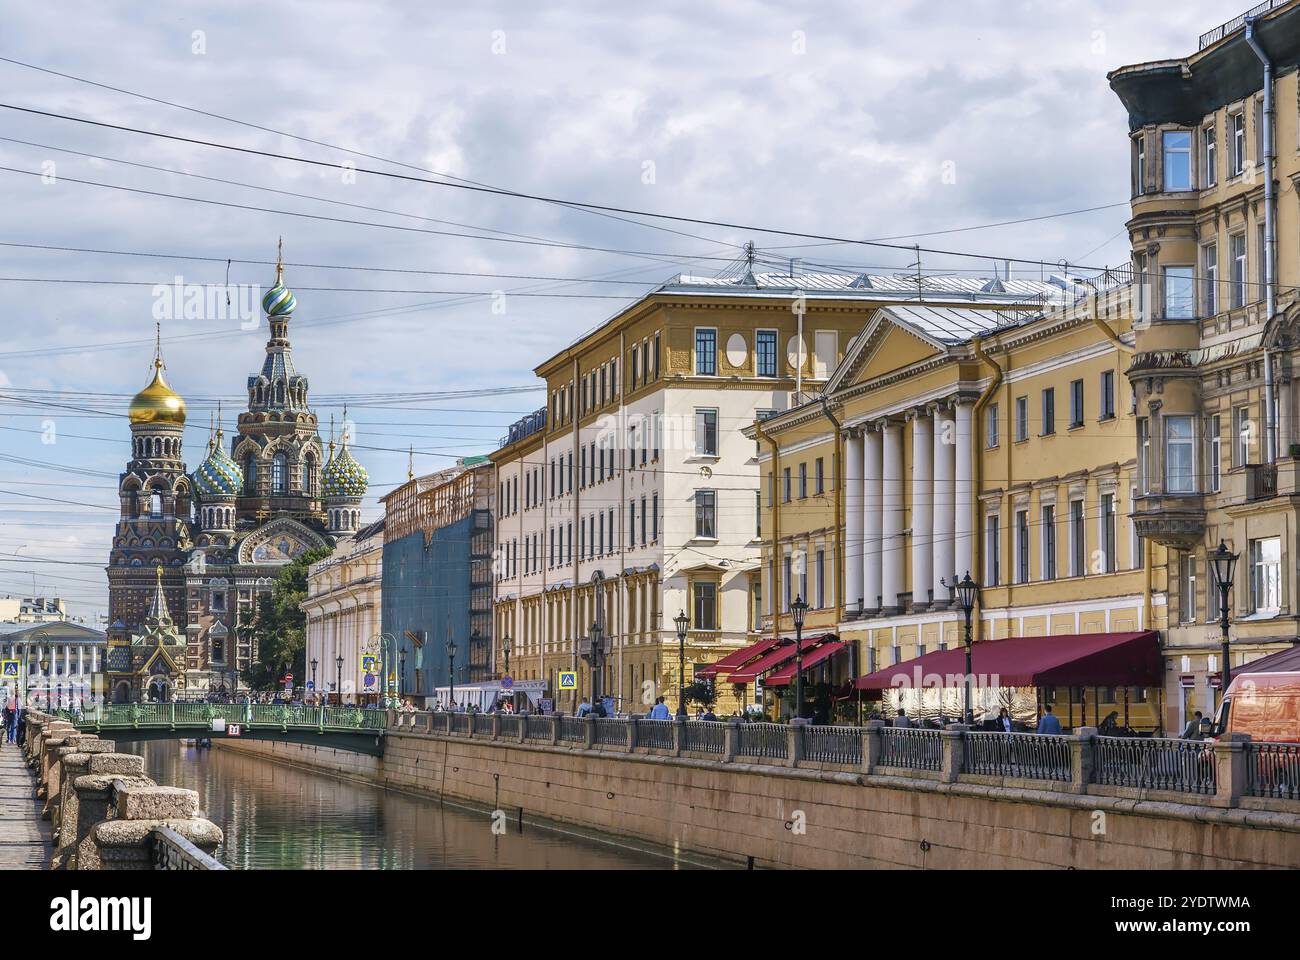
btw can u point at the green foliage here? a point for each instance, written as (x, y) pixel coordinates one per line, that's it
(280, 627)
(703, 692)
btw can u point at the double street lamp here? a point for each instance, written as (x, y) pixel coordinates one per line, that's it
(506, 648)
(968, 592)
(1224, 563)
(798, 610)
(683, 623)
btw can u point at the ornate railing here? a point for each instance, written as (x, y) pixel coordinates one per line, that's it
(460, 723)
(611, 732)
(654, 734)
(483, 725)
(1273, 770)
(539, 728)
(573, 729)
(1026, 755)
(832, 744)
(171, 851)
(770, 740)
(510, 725)
(197, 717)
(910, 748)
(704, 736)
(1181, 766)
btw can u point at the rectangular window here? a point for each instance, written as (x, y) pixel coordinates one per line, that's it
(1108, 531)
(758, 515)
(1178, 159)
(1237, 250)
(819, 474)
(1187, 588)
(788, 581)
(1022, 546)
(631, 523)
(706, 605)
(785, 485)
(1180, 293)
(643, 521)
(706, 432)
(1076, 403)
(1180, 476)
(1243, 435)
(1022, 419)
(654, 519)
(1049, 542)
(993, 550)
(803, 480)
(706, 352)
(1107, 409)
(991, 425)
(1238, 143)
(706, 514)
(1261, 272)
(656, 357)
(1139, 165)
(821, 579)
(1209, 161)
(1266, 575)
(1078, 540)
(1215, 454)
(765, 352)
(1144, 454)
(1210, 279)
(568, 543)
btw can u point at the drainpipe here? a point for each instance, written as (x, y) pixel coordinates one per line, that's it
(977, 464)
(775, 599)
(841, 555)
(1270, 245)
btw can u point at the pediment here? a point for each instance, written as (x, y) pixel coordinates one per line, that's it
(278, 542)
(884, 345)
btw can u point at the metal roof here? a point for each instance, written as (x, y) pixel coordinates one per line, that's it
(955, 324)
(943, 287)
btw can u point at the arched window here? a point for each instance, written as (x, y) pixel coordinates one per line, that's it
(307, 487)
(279, 472)
(250, 474)
(155, 504)
(218, 650)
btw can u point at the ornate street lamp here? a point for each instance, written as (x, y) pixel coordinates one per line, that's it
(1224, 562)
(451, 671)
(683, 624)
(401, 674)
(314, 663)
(45, 669)
(338, 688)
(968, 592)
(506, 648)
(798, 610)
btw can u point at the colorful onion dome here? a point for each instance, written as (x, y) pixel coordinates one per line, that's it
(158, 403)
(279, 301)
(218, 475)
(344, 477)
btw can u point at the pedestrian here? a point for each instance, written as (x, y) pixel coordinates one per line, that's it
(660, 710)
(1049, 723)
(1004, 721)
(709, 714)
(1193, 729)
(902, 719)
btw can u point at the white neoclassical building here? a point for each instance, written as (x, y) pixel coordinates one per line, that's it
(344, 613)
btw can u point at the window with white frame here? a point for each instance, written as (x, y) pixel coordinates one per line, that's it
(1180, 458)
(1076, 403)
(1243, 429)
(1238, 122)
(1178, 159)
(993, 550)
(1187, 588)
(706, 432)
(1108, 532)
(706, 352)
(1139, 165)
(1209, 155)
(991, 425)
(765, 353)
(1214, 453)
(706, 524)
(1049, 411)
(1078, 540)
(821, 579)
(1180, 293)
(1048, 564)
(1144, 454)
(1022, 419)
(1237, 249)
(1210, 279)
(1106, 410)
(1022, 546)
(1266, 574)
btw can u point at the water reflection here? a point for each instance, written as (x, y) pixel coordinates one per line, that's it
(282, 818)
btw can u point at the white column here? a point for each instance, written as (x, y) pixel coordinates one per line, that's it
(922, 507)
(891, 523)
(945, 466)
(854, 506)
(964, 514)
(872, 506)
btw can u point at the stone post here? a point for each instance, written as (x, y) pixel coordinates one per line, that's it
(124, 841)
(589, 732)
(1081, 759)
(679, 735)
(631, 732)
(496, 726)
(93, 799)
(555, 716)
(51, 738)
(74, 764)
(953, 753)
(872, 744)
(794, 744)
(523, 728)
(1231, 756)
(730, 741)
(54, 754)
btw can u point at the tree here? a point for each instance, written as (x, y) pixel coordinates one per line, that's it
(280, 626)
(704, 692)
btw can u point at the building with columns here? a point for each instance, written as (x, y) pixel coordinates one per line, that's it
(343, 613)
(972, 438)
(1215, 232)
(62, 662)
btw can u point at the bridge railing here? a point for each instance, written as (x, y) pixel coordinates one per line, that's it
(769, 740)
(826, 744)
(197, 717)
(911, 748)
(1179, 766)
(653, 734)
(1273, 770)
(171, 851)
(1029, 756)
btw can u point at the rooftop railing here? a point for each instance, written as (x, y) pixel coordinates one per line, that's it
(1211, 37)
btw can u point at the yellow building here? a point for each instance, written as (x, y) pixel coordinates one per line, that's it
(964, 437)
(1216, 164)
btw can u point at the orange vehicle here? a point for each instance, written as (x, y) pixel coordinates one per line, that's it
(1264, 705)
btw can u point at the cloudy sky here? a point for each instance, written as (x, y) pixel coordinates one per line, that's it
(849, 119)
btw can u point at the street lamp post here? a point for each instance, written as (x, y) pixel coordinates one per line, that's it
(45, 669)
(338, 687)
(797, 611)
(967, 593)
(1224, 562)
(314, 664)
(506, 647)
(683, 624)
(451, 671)
(401, 674)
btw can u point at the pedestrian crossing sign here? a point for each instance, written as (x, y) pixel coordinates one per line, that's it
(9, 669)
(568, 679)
(370, 665)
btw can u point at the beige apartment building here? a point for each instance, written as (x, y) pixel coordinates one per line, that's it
(1215, 230)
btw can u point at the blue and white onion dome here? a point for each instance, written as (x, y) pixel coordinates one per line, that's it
(344, 478)
(218, 476)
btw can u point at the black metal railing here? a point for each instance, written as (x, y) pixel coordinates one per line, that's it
(911, 749)
(1273, 770)
(654, 734)
(539, 728)
(832, 744)
(510, 725)
(460, 723)
(1180, 766)
(1211, 37)
(704, 736)
(611, 732)
(770, 740)
(1026, 755)
(573, 729)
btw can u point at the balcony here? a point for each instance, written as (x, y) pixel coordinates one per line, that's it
(1261, 481)
(1173, 520)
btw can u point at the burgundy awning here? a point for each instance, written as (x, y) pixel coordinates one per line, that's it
(775, 658)
(1284, 661)
(738, 658)
(1075, 660)
(785, 675)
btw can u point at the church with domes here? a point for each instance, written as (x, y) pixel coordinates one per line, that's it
(192, 552)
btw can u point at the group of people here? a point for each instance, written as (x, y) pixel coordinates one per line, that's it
(1049, 723)
(13, 722)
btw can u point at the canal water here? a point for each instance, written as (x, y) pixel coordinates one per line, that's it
(277, 817)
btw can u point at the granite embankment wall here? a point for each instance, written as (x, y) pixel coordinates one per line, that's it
(785, 816)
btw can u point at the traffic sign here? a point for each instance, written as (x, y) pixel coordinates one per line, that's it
(311, 684)
(507, 682)
(370, 664)
(232, 729)
(568, 679)
(9, 669)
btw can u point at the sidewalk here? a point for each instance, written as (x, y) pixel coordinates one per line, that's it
(24, 836)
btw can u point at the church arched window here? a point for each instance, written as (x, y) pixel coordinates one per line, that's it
(250, 474)
(155, 504)
(307, 486)
(279, 472)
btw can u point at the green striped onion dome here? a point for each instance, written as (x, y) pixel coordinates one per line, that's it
(218, 476)
(279, 301)
(344, 477)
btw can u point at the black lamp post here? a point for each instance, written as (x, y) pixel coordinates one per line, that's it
(683, 623)
(401, 673)
(968, 592)
(1224, 562)
(451, 672)
(338, 662)
(314, 663)
(797, 611)
(45, 669)
(506, 648)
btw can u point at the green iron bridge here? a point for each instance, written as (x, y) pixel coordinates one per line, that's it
(342, 728)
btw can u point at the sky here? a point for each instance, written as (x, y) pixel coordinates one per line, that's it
(846, 119)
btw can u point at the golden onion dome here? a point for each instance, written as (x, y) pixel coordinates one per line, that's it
(158, 403)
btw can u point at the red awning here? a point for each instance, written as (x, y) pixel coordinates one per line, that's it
(1284, 661)
(785, 675)
(775, 658)
(738, 658)
(1079, 660)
